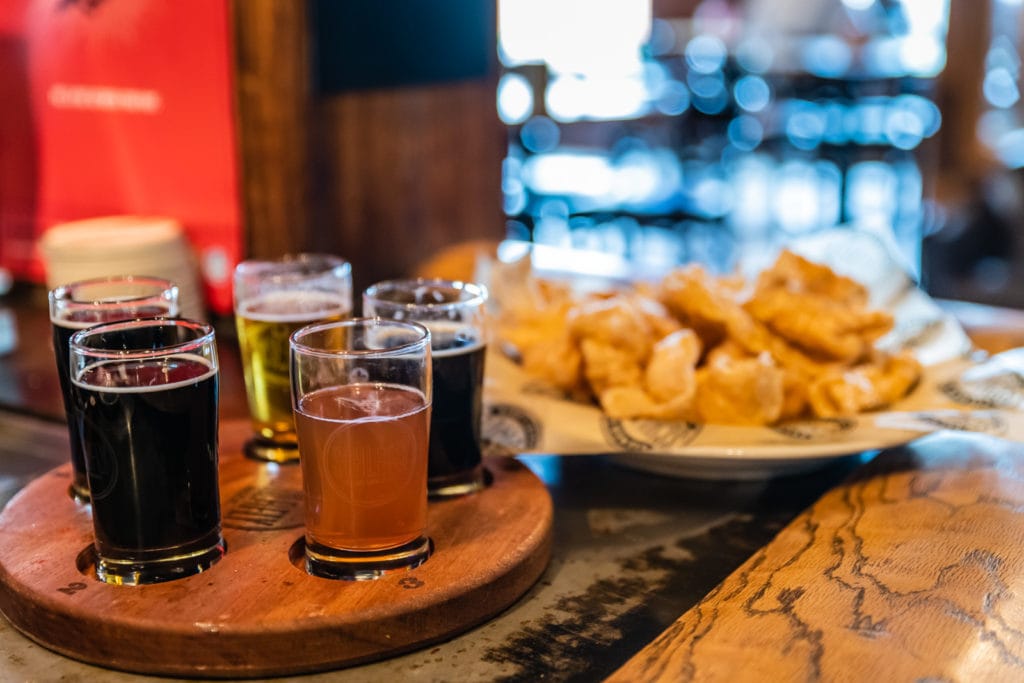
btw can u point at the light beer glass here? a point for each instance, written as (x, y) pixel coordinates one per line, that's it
(454, 313)
(273, 299)
(146, 397)
(86, 303)
(362, 396)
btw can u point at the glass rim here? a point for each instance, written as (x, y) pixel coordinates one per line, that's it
(205, 336)
(63, 296)
(478, 293)
(423, 340)
(284, 267)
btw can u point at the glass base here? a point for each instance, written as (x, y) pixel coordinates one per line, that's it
(460, 484)
(352, 565)
(79, 494)
(137, 573)
(266, 450)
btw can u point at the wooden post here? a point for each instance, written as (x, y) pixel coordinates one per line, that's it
(382, 177)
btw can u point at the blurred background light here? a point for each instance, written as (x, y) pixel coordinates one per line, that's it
(754, 55)
(570, 36)
(731, 126)
(673, 99)
(574, 98)
(539, 134)
(903, 128)
(1000, 88)
(805, 125)
(745, 133)
(827, 56)
(515, 98)
(752, 93)
(569, 174)
(705, 54)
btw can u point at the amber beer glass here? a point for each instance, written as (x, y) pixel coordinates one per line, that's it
(362, 396)
(454, 313)
(272, 300)
(146, 394)
(86, 303)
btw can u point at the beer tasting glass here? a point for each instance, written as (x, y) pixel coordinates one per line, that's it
(272, 300)
(454, 313)
(361, 390)
(146, 395)
(86, 303)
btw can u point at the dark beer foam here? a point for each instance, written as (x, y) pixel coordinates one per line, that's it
(453, 338)
(82, 318)
(140, 376)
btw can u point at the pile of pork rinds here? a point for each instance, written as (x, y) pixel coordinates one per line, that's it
(798, 341)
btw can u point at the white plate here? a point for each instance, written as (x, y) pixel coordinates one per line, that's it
(694, 467)
(526, 423)
(755, 461)
(524, 416)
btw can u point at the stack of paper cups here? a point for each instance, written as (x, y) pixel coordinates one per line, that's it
(124, 245)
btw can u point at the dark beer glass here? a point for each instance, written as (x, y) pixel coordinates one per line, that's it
(454, 313)
(145, 393)
(86, 303)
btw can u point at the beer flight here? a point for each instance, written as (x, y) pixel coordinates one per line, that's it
(380, 412)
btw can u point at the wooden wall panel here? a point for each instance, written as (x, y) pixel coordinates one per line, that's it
(405, 172)
(964, 161)
(381, 177)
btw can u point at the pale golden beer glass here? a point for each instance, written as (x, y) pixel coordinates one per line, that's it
(273, 299)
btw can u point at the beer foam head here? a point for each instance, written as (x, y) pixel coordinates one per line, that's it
(294, 306)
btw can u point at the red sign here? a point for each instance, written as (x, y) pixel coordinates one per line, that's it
(118, 107)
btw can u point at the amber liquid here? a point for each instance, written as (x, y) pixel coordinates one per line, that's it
(364, 465)
(264, 325)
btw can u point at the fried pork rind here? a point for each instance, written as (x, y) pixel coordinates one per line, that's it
(695, 346)
(631, 402)
(746, 391)
(612, 322)
(818, 311)
(621, 338)
(693, 296)
(816, 324)
(606, 366)
(669, 383)
(794, 395)
(794, 382)
(559, 361)
(671, 369)
(794, 273)
(846, 392)
(530, 325)
(544, 346)
(716, 315)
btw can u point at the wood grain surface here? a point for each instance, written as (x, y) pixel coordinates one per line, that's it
(380, 176)
(274, 96)
(911, 571)
(257, 612)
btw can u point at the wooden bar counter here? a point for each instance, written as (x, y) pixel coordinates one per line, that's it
(912, 570)
(905, 566)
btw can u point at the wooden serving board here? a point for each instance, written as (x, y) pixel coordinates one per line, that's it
(257, 612)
